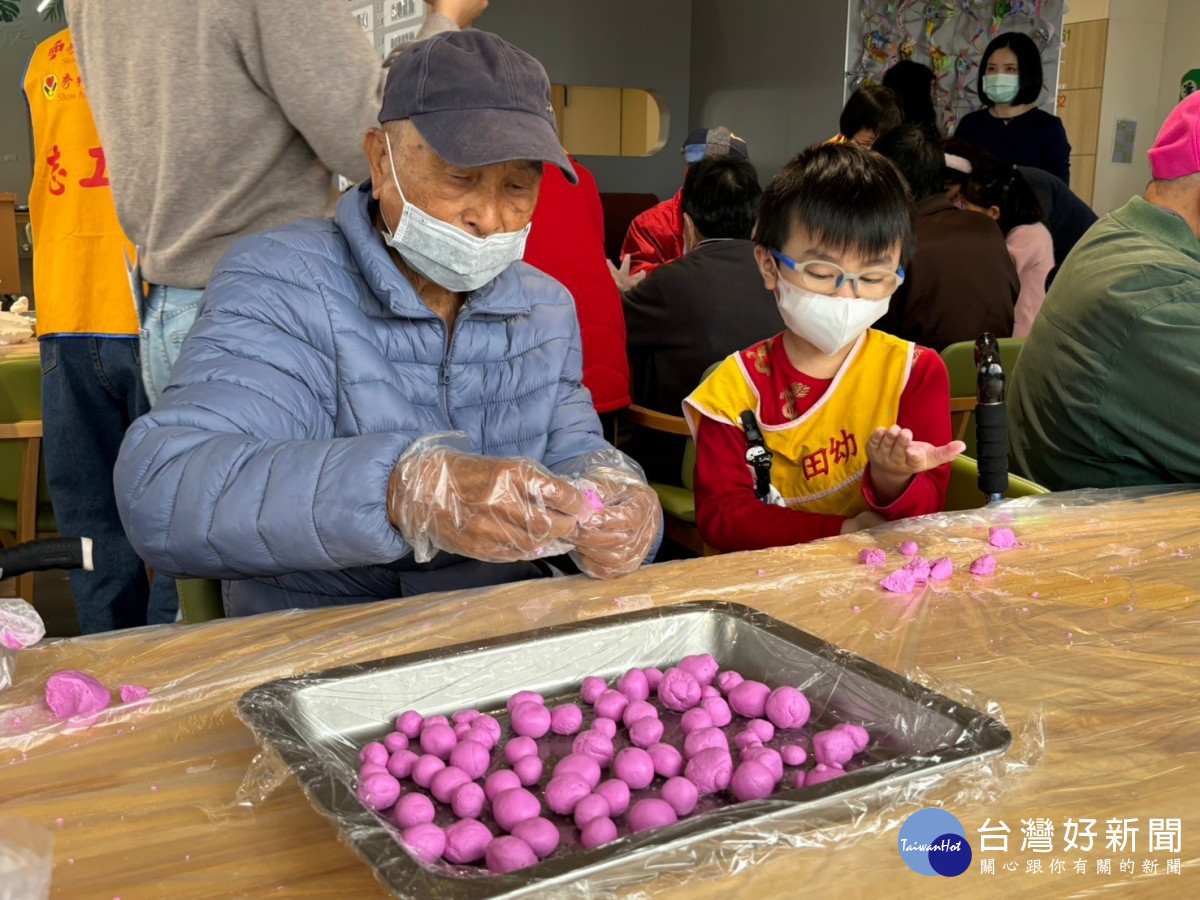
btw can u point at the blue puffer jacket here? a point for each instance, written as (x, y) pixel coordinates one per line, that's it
(312, 366)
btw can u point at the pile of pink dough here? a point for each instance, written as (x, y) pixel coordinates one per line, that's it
(919, 571)
(459, 768)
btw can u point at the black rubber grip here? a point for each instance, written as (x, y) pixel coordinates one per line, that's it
(37, 556)
(991, 443)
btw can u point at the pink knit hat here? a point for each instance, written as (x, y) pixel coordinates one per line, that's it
(1176, 150)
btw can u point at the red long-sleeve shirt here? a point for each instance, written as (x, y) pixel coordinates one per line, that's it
(731, 517)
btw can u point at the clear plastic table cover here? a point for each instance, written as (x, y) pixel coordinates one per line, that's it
(1082, 643)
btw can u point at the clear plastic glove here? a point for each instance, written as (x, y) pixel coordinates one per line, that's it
(616, 538)
(490, 509)
(625, 281)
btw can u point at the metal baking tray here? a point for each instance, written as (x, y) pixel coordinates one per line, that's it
(317, 723)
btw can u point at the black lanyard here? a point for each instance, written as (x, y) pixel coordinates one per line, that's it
(758, 457)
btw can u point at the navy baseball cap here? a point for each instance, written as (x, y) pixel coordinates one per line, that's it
(476, 99)
(719, 141)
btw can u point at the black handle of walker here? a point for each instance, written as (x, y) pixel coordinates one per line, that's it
(52, 553)
(991, 420)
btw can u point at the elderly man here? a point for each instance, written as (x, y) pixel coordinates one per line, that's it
(301, 451)
(1107, 392)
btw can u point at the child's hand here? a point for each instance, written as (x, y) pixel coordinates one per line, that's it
(895, 458)
(862, 522)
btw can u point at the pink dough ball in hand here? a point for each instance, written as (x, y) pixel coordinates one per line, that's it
(378, 790)
(468, 801)
(728, 680)
(516, 805)
(668, 762)
(793, 754)
(499, 781)
(472, 757)
(704, 739)
(438, 740)
(833, 747)
(540, 834)
(582, 765)
(984, 567)
(529, 770)
(646, 732)
(374, 753)
(566, 719)
(718, 710)
(446, 782)
(466, 841)
(819, 774)
(595, 745)
(787, 708)
(519, 748)
(427, 841)
(593, 806)
(616, 792)
(401, 763)
(523, 697)
(605, 726)
(611, 704)
(681, 794)
(703, 667)
(769, 759)
(694, 720)
(749, 699)
(635, 767)
(653, 677)
(678, 690)
(647, 814)
(909, 548)
(763, 728)
(408, 723)
(598, 832)
(425, 768)
(638, 709)
(751, 781)
(508, 854)
(747, 739)
(593, 686)
(414, 809)
(710, 770)
(857, 733)
(633, 685)
(530, 719)
(564, 791)
(395, 742)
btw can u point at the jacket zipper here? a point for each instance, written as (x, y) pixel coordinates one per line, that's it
(444, 371)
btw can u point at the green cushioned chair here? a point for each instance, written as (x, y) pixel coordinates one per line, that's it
(960, 364)
(963, 491)
(200, 600)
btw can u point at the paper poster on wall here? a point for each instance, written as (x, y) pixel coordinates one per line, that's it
(389, 23)
(1189, 84)
(1123, 139)
(393, 39)
(396, 11)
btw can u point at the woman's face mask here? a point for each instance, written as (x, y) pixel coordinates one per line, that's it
(1002, 88)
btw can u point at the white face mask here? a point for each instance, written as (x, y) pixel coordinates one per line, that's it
(828, 323)
(447, 255)
(1001, 88)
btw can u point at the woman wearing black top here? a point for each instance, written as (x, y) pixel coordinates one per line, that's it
(1010, 125)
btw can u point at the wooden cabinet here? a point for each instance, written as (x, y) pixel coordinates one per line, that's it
(1083, 53)
(1080, 92)
(10, 269)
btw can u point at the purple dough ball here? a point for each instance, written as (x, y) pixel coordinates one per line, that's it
(747, 739)
(593, 806)
(678, 690)
(728, 680)
(787, 708)
(710, 770)
(764, 729)
(438, 740)
(818, 774)
(530, 719)
(653, 677)
(540, 834)
(529, 770)
(414, 809)
(793, 754)
(592, 688)
(378, 790)
(647, 814)
(601, 830)
(479, 736)
(707, 690)
(751, 781)
(564, 791)
(833, 747)
(595, 745)
(633, 684)
(513, 806)
(566, 719)
(634, 767)
(681, 794)
(858, 735)
(749, 699)
(499, 781)
(446, 782)
(408, 723)
(374, 753)
(518, 748)
(694, 720)
(769, 759)
(372, 769)
(582, 765)
(718, 711)
(460, 730)
(611, 704)
(491, 726)
(646, 732)
(616, 792)
(396, 741)
(472, 757)
(668, 762)
(465, 715)
(426, 841)
(703, 739)
(703, 667)
(468, 801)
(466, 841)
(508, 854)
(425, 768)
(638, 709)
(523, 697)
(606, 726)
(435, 720)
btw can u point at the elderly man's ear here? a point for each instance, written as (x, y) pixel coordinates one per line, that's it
(375, 147)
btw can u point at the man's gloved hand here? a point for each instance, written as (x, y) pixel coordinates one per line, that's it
(494, 510)
(616, 539)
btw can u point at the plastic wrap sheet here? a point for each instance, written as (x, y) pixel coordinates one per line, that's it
(1084, 638)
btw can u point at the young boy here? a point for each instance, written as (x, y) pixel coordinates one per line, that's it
(857, 421)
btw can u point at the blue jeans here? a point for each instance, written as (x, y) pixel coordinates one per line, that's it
(167, 315)
(91, 392)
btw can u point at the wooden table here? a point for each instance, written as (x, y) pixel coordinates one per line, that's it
(1086, 639)
(25, 348)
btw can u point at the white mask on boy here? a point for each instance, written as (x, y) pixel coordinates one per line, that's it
(828, 323)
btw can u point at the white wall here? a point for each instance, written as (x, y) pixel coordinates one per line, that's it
(1181, 51)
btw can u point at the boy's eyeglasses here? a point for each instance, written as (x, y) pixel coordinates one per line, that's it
(822, 277)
